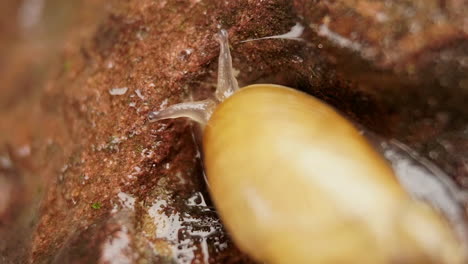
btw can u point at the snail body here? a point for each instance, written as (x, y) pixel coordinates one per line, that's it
(295, 182)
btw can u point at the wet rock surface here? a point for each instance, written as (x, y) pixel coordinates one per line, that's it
(412, 56)
(85, 178)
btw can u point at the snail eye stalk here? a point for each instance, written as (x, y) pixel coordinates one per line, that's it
(200, 111)
(227, 83)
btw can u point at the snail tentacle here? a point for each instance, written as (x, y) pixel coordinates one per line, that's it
(293, 34)
(199, 111)
(227, 83)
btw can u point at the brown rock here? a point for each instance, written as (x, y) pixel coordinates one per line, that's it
(74, 110)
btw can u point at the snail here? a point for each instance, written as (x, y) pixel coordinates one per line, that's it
(296, 182)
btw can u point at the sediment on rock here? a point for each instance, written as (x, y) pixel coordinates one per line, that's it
(75, 140)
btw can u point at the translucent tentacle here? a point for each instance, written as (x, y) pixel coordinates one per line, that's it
(199, 111)
(294, 34)
(227, 83)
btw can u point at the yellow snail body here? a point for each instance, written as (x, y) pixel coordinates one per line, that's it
(295, 182)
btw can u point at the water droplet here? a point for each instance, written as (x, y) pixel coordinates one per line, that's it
(297, 59)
